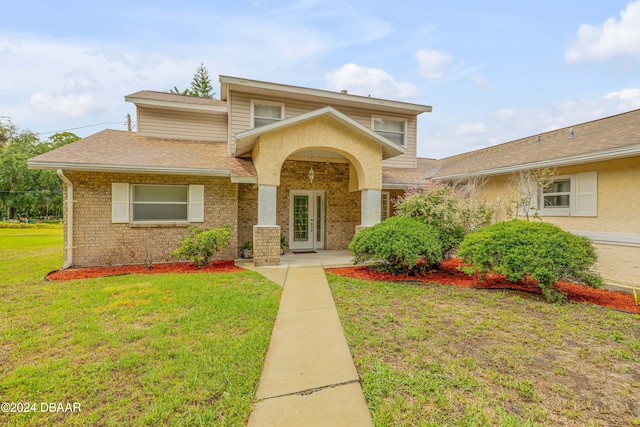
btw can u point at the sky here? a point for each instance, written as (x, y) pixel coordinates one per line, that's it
(493, 71)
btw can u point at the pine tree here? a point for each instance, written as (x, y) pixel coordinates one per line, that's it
(201, 84)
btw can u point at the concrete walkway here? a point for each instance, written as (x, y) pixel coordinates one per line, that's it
(308, 377)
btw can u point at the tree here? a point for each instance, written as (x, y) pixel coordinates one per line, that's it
(25, 192)
(200, 85)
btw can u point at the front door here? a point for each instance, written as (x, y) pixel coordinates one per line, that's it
(306, 226)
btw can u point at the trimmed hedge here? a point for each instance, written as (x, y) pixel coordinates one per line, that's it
(398, 245)
(541, 251)
(9, 224)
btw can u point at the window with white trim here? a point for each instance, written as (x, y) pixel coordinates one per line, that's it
(395, 130)
(156, 203)
(569, 195)
(385, 205)
(266, 112)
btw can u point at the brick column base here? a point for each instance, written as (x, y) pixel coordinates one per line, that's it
(266, 245)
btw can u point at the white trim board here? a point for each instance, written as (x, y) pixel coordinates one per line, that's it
(616, 239)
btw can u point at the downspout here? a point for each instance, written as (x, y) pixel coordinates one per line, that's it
(69, 249)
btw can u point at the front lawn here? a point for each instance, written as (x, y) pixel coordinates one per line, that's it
(437, 355)
(164, 349)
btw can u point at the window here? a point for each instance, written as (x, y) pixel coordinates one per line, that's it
(384, 205)
(569, 195)
(157, 203)
(392, 129)
(557, 195)
(266, 112)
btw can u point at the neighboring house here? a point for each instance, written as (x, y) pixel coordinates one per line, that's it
(594, 191)
(268, 159)
(314, 166)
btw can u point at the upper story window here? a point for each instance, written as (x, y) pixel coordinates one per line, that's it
(395, 130)
(266, 112)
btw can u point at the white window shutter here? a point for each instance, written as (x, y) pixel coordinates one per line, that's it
(196, 203)
(119, 202)
(586, 203)
(527, 189)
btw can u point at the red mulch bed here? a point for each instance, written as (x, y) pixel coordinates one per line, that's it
(448, 274)
(177, 267)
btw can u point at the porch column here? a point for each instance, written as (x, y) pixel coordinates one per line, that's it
(267, 204)
(266, 234)
(370, 208)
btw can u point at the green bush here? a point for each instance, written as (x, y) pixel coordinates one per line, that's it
(541, 251)
(448, 210)
(198, 245)
(398, 245)
(48, 225)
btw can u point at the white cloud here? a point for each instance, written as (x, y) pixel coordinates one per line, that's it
(612, 40)
(630, 97)
(504, 114)
(470, 129)
(366, 81)
(432, 64)
(71, 106)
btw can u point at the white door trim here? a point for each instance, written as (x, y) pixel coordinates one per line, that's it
(315, 224)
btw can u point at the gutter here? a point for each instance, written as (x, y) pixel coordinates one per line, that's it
(69, 240)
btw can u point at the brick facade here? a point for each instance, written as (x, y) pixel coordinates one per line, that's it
(97, 241)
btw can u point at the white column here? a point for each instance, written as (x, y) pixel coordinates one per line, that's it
(370, 207)
(267, 204)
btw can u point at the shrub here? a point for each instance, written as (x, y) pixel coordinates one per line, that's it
(452, 211)
(398, 245)
(541, 251)
(198, 245)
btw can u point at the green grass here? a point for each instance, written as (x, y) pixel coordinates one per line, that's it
(434, 355)
(132, 350)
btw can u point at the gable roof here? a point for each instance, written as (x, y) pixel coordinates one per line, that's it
(401, 178)
(603, 139)
(246, 140)
(122, 151)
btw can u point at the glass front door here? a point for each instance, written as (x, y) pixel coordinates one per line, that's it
(306, 227)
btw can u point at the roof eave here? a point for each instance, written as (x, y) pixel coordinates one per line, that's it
(155, 103)
(576, 159)
(227, 81)
(245, 141)
(112, 168)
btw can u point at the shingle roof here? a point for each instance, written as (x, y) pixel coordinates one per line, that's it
(405, 177)
(172, 97)
(122, 150)
(613, 132)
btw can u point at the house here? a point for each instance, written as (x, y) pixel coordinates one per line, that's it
(592, 190)
(312, 167)
(267, 159)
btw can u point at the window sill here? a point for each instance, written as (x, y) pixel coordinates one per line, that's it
(159, 224)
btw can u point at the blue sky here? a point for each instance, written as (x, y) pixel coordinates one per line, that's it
(493, 71)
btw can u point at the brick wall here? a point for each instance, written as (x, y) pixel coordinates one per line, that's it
(247, 212)
(342, 207)
(97, 241)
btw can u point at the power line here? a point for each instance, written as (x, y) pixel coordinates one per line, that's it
(81, 127)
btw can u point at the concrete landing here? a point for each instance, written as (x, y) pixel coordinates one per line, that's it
(308, 377)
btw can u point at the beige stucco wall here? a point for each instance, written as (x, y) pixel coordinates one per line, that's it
(322, 133)
(618, 213)
(98, 242)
